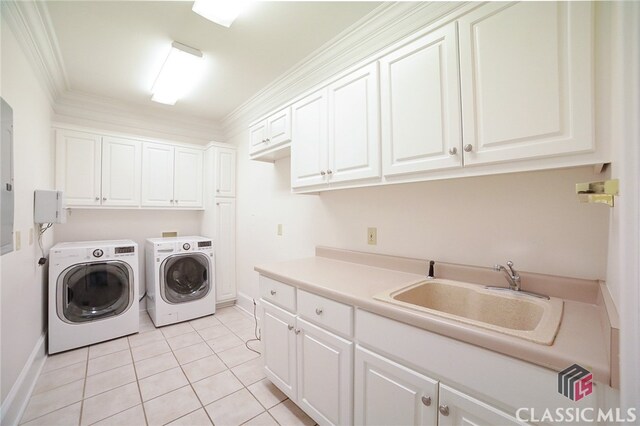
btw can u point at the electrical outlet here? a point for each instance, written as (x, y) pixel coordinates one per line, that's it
(280, 229)
(18, 240)
(169, 234)
(31, 236)
(372, 236)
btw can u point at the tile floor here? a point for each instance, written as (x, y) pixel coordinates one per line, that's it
(193, 373)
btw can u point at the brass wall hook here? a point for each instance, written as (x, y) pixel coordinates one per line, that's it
(602, 192)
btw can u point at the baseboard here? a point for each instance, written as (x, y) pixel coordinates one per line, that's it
(16, 401)
(225, 304)
(245, 303)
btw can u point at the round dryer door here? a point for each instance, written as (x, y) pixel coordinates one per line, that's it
(186, 278)
(91, 291)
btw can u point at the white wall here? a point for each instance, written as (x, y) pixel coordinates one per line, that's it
(22, 286)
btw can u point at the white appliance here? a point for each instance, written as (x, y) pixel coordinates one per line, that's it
(93, 293)
(180, 279)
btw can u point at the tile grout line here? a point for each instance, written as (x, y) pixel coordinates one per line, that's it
(84, 388)
(135, 372)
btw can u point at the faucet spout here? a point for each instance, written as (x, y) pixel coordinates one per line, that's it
(510, 274)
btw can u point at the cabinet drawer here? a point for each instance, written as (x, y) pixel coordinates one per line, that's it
(278, 293)
(325, 312)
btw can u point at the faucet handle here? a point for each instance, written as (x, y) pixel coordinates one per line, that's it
(513, 272)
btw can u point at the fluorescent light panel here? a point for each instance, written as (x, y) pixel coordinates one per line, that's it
(222, 12)
(177, 74)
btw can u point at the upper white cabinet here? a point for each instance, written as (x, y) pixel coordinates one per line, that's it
(225, 172)
(309, 153)
(121, 170)
(188, 177)
(420, 96)
(270, 134)
(526, 74)
(79, 167)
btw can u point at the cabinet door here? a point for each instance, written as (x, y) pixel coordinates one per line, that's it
(226, 172)
(420, 95)
(157, 175)
(279, 128)
(309, 140)
(225, 249)
(188, 177)
(387, 393)
(325, 375)
(258, 137)
(279, 348)
(526, 88)
(464, 410)
(121, 172)
(78, 167)
(354, 137)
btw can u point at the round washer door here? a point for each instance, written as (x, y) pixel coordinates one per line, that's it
(95, 290)
(185, 277)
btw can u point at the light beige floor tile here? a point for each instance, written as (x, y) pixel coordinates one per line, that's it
(192, 353)
(226, 315)
(109, 403)
(131, 417)
(65, 359)
(267, 393)
(145, 338)
(288, 413)
(162, 383)
(204, 322)
(247, 333)
(213, 332)
(66, 416)
(225, 342)
(109, 362)
(50, 401)
(59, 377)
(263, 419)
(108, 380)
(184, 340)
(171, 406)
(250, 372)
(234, 409)
(150, 350)
(217, 386)
(236, 356)
(146, 324)
(157, 364)
(176, 329)
(239, 324)
(109, 347)
(197, 418)
(204, 367)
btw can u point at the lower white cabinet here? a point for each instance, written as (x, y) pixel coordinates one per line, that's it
(225, 218)
(279, 347)
(456, 408)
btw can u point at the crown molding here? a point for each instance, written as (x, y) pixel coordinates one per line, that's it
(384, 26)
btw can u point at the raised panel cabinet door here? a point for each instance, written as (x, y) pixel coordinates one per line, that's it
(279, 346)
(420, 104)
(188, 177)
(121, 172)
(309, 140)
(457, 409)
(325, 375)
(279, 128)
(78, 167)
(387, 393)
(226, 172)
(157, 175)
(526, 73)
(354, 123)
(225, 253)
(258, 137)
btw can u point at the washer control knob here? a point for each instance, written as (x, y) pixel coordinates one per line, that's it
(97, 253)
(186, 246)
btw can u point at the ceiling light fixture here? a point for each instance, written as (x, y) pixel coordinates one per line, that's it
(177, 74)
(222, 12)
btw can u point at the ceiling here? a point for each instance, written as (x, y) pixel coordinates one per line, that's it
(115, 49)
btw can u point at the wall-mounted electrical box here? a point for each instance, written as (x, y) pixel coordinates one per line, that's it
(48, 207)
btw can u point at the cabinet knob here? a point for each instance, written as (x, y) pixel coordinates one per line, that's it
(218, 191)
(104, 198)
(322, 172)
(329, 171)
(453, 150)
(468, 148)
(172, 201)
(273, 292)
(290, 327)
(444, 410)
(318, 311)
(297, 331)
(263, 141)
(97, 198)
(217, 204)
(176, 201)
(426, 400)
(268, 140)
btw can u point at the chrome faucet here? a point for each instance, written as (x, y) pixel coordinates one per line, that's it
(513, 277)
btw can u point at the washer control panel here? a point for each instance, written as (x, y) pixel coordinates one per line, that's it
(186, 246)
(98, 253)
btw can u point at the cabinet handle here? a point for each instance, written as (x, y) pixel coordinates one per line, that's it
(444, 410)
(297, 331)
(453, 150)
(322, 172)
(468, 148)
(318, 311)
(290, 327)
(426, 400)
(273, 292)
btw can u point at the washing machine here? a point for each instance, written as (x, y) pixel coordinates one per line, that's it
(93, 293)
(180, 279)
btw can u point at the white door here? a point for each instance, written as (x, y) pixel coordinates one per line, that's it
(309, 161)
(420, 95)
(457, 409)
(258, 137)
(121, 172)
(188, 177)
(226, 172)
(279, 128)
(279, 348)
(157, 175)
(387, 393)
(325, 375)
(78, 167)
(354, 123)
(526, 73)
(225, 249)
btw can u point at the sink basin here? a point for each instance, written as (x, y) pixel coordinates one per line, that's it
(518, 315)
